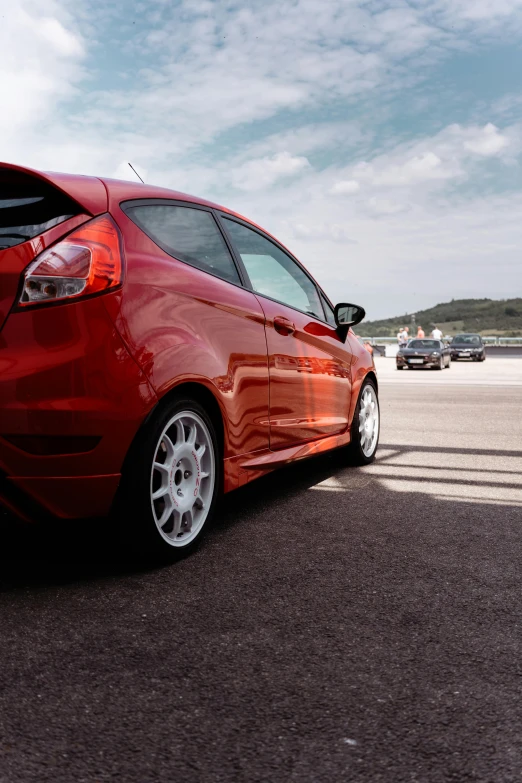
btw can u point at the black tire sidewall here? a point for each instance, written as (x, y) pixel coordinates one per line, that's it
(135, 518)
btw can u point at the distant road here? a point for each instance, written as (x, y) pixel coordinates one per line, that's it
(497, 371)
(493, 351)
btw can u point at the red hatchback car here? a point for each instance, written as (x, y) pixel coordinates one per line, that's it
(156, 350)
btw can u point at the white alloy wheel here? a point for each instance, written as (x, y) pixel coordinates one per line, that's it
(182, 478)
(368, 421)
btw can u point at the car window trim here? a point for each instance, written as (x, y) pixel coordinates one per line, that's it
(322, 296)
(222, 216)
(244, 281)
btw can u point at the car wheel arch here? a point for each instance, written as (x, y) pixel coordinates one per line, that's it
(202, 394)
(371, 376)
(198, 392)
(356, 389)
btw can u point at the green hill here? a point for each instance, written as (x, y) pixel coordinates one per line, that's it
(483, 316)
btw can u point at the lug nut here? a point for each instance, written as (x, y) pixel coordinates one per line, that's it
(187, 474)
(180, 493)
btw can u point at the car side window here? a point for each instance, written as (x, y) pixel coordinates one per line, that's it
(190, 235)
(328, 309)
(272, 272)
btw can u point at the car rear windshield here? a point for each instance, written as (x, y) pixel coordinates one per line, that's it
(419, 344)
(28, 207)
(467, 339)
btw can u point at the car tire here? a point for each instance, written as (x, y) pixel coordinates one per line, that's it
(175, 463)
(358, 454)
(400, 368)
(440, 365)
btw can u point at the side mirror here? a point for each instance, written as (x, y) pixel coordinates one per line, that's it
(347, 315)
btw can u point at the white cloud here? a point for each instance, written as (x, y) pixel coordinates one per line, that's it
(485, 10)
(329, 232)
(40, 60)
(382, 206)
(346, 186)
(486, 141)
(429, 163)
(64, 42)
(427, 166)
(263, 172)
(309, 138)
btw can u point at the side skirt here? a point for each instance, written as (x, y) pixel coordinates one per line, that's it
(239, 471)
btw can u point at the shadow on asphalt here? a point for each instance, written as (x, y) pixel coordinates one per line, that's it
(44, 554)
(60, 552)
(329, 628)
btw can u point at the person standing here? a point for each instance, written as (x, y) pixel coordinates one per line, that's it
(420, 333)
(436, 334)
(402, 337)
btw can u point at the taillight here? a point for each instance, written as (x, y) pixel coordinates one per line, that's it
(89, 261)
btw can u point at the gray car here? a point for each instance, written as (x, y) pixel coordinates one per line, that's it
(468, 346)
(433, 354)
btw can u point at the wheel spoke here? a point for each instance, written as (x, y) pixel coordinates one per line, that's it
(202, 449)
(163, 469)
(191, 440)
(163, 490)
(177, 524)
(169, 450)
(188, 520)
(199, 503)
(180, 432)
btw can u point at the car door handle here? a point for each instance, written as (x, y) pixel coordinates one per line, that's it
(283, 325)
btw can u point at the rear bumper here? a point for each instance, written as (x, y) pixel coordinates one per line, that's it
(66, 377)
(74, 497)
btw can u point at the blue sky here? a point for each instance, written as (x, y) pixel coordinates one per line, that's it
(380, 141)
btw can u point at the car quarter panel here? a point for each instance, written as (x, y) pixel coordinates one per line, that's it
(184, 325)
(65, 373)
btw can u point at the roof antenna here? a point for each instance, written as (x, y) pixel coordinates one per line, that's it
(134, 170)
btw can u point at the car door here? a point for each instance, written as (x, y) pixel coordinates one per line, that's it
(309, 364)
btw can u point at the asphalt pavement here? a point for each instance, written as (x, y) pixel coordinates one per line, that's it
(336, 624)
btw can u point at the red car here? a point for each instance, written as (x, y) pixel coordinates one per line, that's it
(156, 350)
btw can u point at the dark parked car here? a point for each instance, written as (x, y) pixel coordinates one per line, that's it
(424, 353)
(468, 346)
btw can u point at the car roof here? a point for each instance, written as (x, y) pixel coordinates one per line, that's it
(94, 194)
